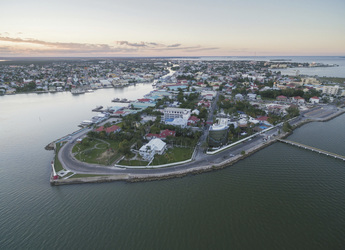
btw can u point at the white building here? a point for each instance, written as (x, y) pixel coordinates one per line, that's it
(177, 122)
(226, 122)
(239, 97)
(172, 113)
(155, 146)
(208, 94)
(314, 100)
(196, 112)
(251, 96)
(330, 90)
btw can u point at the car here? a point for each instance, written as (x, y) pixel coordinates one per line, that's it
(231, 155)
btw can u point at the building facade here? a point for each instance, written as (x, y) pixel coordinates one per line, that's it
(218, 135)
(155, 146)
(330, 90)
(173, 113)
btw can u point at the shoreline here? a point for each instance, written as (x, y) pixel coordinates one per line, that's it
(182, 173)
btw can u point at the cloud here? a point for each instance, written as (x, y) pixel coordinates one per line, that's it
(6, 49)
(56, 44)
(141, 44)
(25, 46)
(174, 45)
(152, 46)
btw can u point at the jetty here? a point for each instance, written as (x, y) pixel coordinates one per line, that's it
(320, 151)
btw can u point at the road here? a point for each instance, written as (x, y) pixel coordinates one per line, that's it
(200, 159)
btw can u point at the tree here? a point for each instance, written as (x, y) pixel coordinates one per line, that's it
(139, 144)
(287, 127)
(292, 112)
(180, 96)
(124, 148)
(107, 125)
(203, 114)
(92, 134)
(155, 130)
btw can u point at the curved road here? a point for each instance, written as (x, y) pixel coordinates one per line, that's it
(200, 159)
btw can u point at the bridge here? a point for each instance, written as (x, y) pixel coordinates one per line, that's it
(320, 151)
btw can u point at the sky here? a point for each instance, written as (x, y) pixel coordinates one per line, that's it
(85, 28)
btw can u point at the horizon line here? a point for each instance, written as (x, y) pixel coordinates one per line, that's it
(167, 56)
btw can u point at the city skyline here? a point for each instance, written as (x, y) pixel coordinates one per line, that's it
(180, 28)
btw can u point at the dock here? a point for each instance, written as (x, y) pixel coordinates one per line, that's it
(320, 151)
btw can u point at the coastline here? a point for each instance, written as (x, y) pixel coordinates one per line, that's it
(154, 177)
(191, 171)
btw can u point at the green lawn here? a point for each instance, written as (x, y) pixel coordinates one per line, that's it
(97, 151)
(57, 164)
(333, 79)
(175, 154)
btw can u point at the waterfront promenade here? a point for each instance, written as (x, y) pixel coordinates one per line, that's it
(200, 163)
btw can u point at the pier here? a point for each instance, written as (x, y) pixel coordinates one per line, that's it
(320, 151)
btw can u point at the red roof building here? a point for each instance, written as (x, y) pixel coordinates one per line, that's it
(281, 98)
(144, 100)
(298, 99)
(162, 135)
(193, 120)
(108, 130)
(262, 118)
(204, 103)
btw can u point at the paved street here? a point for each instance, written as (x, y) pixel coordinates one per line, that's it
(201, 159)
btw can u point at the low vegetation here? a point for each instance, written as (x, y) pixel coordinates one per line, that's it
(57, 164)
(97, 151)
(175, 154)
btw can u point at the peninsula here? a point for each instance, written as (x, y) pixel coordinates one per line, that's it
(202, 115)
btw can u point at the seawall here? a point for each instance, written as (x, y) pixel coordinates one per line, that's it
(191, 171)
(153, 177)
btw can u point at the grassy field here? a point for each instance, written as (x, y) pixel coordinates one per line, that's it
(97, 151)
(57, 164)
(332, 79)
(175, 154)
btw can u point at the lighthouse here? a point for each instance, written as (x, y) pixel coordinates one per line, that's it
(55, 176)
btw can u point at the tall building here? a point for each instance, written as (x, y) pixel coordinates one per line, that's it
(330, 90)
(173, 113)
(218, 135)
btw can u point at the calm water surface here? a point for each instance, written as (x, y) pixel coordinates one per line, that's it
(280, 198)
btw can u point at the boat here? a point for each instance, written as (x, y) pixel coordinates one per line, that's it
(86, 123)
(116, 100)
(77, 91)
(97, 108)
(42, 92)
